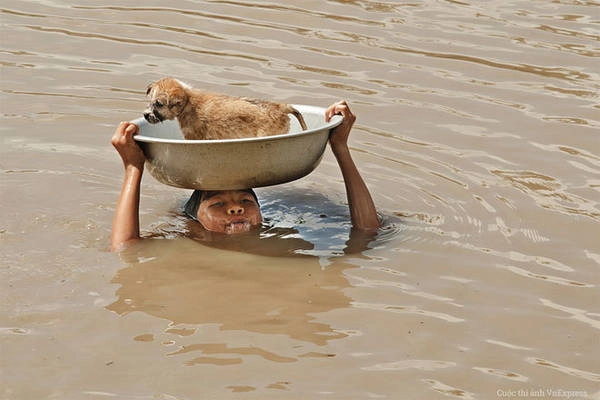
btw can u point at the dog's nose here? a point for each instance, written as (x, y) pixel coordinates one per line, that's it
(235, 210)
(147, 115)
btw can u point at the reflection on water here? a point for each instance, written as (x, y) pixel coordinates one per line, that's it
(270, 281)
(185, 282)
(273, 281)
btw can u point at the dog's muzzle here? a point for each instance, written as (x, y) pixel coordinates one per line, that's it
(153, 116)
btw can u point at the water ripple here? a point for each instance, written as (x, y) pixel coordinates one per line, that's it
(547, 72)
(423, 365)
(407, 310)
(578, 373)
(549, 193)
(89, 35)
(547, 278)
(448, 390)
(575, 313)
(513, 376)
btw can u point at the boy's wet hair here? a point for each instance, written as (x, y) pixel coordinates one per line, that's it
(198, 196)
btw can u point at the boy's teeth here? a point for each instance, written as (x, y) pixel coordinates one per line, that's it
(236, 227)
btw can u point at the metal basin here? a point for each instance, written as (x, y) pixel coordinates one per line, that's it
(235, 163)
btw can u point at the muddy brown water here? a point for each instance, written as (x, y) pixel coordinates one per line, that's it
(477, 133)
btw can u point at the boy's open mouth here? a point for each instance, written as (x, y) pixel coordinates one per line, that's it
(237, 227)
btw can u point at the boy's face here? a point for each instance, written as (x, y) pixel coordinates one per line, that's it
(229, 211)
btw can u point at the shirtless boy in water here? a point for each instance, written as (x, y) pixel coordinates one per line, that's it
(233, 211)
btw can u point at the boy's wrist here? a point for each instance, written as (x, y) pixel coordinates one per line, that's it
(339, 148)
(134, 170)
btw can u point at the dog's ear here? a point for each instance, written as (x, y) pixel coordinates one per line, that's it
(174, 103)
(149, 88)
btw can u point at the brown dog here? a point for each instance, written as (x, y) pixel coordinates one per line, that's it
(204, 115)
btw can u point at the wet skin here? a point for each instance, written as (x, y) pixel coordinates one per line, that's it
(229, 211)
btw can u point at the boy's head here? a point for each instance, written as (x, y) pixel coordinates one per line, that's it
(225, 211)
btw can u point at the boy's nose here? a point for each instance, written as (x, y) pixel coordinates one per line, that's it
(235, 210)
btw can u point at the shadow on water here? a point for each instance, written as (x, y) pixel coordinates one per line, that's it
(186, 282)
(272, 281)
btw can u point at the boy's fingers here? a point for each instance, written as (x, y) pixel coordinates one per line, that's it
(130, 130)
(329, 113)
(336, 109)
(118, 132)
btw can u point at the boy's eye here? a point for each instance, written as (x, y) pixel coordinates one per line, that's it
(217, 204)
(247, 201)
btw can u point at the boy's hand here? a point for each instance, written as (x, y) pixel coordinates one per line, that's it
(339, 135)
(123, 142)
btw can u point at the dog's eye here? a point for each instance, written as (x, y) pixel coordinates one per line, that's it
(158, 103)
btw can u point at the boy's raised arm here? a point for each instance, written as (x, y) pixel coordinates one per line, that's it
(362, 209)
(126, 225)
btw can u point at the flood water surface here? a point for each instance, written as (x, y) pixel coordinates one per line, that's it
(477, 134)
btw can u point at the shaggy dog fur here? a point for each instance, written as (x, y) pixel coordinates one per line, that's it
(204, 115)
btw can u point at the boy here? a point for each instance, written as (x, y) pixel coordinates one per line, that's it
(233, 211)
